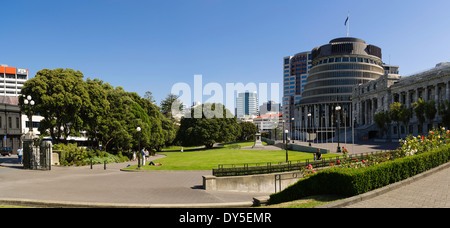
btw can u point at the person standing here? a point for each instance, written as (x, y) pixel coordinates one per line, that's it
(20, 154)
(143, 156)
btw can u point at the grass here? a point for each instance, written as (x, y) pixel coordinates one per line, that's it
(308, 202)
(203, 159)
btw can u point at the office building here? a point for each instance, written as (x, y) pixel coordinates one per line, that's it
(270, 107)
(295, 73)
(12, 80)
(10, 122)
(247, 105)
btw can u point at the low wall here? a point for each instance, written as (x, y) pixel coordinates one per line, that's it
(307, 149)
(264, 183)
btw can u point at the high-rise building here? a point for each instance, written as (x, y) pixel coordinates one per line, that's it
(295, 73)
(12, 80)
(246, 104)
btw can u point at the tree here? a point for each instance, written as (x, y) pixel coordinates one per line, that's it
(61, 98)
(395, 111)
(419, 109)
(405, 116)
(247, 131)
(166, 105)
(382, 120)
(430, 110)
(210, 128)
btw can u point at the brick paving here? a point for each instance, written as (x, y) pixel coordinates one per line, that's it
(430, 192)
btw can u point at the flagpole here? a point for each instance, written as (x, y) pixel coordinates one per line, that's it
(348, 24)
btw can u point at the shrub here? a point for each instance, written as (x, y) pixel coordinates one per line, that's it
(71, 154)
(351, 182)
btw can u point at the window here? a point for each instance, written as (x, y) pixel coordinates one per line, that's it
(338, 59)
(17, 123)
(345, 59)
(9, 122)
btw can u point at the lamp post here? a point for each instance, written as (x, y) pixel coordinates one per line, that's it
(292, 129)
(338, 110)
(138, 129)
(287, 158)
(309, 134)
(27, 100)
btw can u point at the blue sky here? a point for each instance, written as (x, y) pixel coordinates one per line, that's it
(151, 45)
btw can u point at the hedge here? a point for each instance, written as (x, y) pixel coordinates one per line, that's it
(351, 182)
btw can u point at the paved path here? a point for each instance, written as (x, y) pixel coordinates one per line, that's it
(430, 192)
(81, 184)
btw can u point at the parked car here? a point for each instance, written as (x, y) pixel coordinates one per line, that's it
(6, 151)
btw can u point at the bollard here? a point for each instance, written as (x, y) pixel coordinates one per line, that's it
(91, 163)
(104, 165)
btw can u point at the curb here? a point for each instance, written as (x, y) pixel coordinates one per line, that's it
(383, 190)
(63, 204)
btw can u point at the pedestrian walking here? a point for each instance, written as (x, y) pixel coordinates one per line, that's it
(134, 155)
(20, 154)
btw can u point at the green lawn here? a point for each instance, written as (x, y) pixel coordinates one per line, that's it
(201, 159)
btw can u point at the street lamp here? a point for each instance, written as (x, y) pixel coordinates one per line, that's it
(28, 101)
(287, 158)
(138, 129)
(338, 110)
(309, 134)
(292, 129)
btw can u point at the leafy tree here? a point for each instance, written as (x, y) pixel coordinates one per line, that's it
(213, 127)
(430, 110)
(419, 109)
(167, 103)
(405, 116)
(247, 131)
(61, 98)
(382, 120)
(395, 111)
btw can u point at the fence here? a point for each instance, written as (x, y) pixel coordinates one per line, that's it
(279, 167)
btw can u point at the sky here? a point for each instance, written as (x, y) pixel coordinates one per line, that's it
(149, 45)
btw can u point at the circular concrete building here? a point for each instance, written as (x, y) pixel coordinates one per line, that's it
(337, 68)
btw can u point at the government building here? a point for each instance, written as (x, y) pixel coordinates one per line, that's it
(337, 68)
(348, 84)
(376, 96)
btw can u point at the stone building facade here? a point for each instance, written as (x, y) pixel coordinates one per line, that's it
(376, 96)
(10, 123)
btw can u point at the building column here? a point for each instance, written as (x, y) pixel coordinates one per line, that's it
(436, 94)
(447, 90)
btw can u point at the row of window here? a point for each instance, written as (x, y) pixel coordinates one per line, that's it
(327, 91)
(347, 66)
(344, 74)
(13, 76)
(348, 59)
(337, 82)
(10, 122)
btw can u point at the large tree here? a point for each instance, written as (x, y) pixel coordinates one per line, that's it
(212, 127)
(61, 98)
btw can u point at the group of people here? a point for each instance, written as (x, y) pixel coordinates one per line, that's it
(144, 154)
